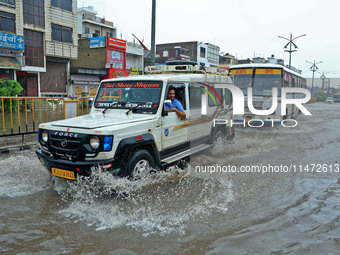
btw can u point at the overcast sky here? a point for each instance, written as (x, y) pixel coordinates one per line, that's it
(245, 28)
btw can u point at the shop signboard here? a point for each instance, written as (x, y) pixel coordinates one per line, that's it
(10, 41)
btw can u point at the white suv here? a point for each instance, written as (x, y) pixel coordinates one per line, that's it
(129, 130)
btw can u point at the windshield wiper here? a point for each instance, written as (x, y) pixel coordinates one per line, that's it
(133, 108)
(113, 105)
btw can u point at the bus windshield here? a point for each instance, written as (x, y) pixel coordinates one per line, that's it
(127, 94)
(265, 80)
(242, 78)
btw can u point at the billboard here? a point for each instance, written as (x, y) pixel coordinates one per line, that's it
(116, 59)
(97, 42)
(116, 44)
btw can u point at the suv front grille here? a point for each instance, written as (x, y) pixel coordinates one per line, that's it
(62, 143)
(66, 146)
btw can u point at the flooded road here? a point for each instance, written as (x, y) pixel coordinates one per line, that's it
(185, 211)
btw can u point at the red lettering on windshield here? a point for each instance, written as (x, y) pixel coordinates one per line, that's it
(131, 85)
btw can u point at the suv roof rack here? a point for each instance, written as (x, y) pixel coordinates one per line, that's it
(167, 69)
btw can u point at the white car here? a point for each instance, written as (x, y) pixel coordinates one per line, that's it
(130, 130)
(329, 100)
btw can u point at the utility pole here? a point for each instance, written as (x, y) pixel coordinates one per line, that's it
(290, 42)
(313, 68)
(153, 32)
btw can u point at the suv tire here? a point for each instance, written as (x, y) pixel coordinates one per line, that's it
(219, 137)
(139, 164)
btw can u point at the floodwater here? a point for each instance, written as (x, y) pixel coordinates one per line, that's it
(185, 211)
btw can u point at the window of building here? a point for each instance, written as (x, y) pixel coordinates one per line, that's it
(34, 12)
(63, 4)
(7, 22)
(202, 52)
(96, 33)
(165, 54)
(34, 50)
(87, 30)
(61, 33)
(177, 52)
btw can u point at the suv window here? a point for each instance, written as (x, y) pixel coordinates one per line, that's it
(179, 93)
(211, 101)
(195, 95)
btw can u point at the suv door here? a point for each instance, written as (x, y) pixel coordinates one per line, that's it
(175, 130)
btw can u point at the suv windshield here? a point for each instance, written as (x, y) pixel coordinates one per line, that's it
(129, 94)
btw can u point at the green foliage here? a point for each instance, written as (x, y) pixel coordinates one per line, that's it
(9, 88)
(320, 96)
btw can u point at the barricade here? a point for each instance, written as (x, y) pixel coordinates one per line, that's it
(22, 115)
(83, 103)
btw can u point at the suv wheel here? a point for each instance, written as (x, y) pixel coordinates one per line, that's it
(219, 137)
(139, 165)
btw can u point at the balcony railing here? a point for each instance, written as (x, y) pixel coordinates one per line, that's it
(60, 49)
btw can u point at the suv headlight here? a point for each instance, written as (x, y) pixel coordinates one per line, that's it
(44, 136)
(94, 142)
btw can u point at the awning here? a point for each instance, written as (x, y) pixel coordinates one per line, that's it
(9, 63)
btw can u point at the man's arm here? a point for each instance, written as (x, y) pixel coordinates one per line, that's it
(180, 114)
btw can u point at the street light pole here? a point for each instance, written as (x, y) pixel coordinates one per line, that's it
(313, 68)
(290, 42)
(153, 32)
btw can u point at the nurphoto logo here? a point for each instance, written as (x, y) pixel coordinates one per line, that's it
(238, 104)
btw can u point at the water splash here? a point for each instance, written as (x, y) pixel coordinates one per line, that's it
(164, 203)
(17, 178)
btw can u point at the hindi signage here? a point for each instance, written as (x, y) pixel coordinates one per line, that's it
(10, 41)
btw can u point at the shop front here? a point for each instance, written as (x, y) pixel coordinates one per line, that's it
(11, 49)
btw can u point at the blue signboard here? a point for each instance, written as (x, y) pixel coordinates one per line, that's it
(10, 41)
(8, 3)
(97, 42)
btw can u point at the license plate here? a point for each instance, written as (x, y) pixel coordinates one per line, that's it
(63, 173)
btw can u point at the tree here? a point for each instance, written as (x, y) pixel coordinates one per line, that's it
(10, 88)
(320, 96)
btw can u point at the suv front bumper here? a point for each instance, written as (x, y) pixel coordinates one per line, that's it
(82, 168)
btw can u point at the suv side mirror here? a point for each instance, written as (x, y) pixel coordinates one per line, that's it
(167, 105)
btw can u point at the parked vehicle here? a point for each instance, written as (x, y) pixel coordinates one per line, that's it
(337, 98)
(329, 100)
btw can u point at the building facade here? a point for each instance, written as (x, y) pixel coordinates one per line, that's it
(90, 25)
(227, 60)
(103, 58)
(37, 40)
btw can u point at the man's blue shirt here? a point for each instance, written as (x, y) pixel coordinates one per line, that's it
(176, 104)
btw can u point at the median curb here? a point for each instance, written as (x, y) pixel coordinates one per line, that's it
(22, 147)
